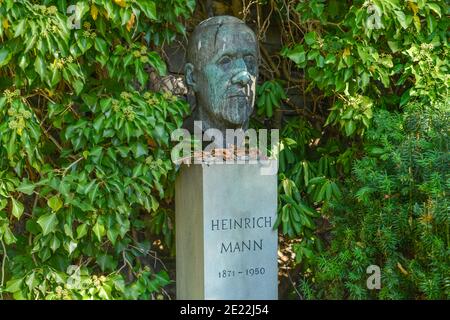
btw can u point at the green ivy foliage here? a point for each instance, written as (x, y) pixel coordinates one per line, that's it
(85, 163)
(381, 181)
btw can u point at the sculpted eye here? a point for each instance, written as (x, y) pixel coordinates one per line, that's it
(224, 61)
(250, 61)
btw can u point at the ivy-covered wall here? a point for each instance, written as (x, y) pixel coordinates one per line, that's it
(90, 92)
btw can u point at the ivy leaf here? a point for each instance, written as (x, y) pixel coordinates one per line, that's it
(71, 246)
(39, 67)
(126, 16)
(14, 285)
(20, 28)
(55, 243)
(317, 8)
(297, 54)
(55, 77)
(3, 204)
(431, 23)
(68, 230)
(44, 254)
(142, 76)
(310, 38)
(313, 54)
(121, 3)
(17, 208)
(401, 18)
(94, 12)
(435, 7)
(112, 235)
(106, 262)
(417, 23)
(55, 203)
(101, 45)
(349, 127)
(99, 230)
(163, 278)
(81, 8)
(157, 63)
(26, 187)
(78, 86)
(330, 59)
(48, 223)
(148, 7)
(365, 79)
(104, 105)
(139, 149)
(81, 230)
(8, 236)
(30, 281)
(394, 46)
(5, 56)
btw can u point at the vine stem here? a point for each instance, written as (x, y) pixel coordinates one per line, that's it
(3, 268)
(295, 288)
(71, 165)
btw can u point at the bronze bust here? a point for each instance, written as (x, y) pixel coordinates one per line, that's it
(221, 71)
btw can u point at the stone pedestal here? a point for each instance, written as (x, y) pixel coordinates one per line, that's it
(225, 242)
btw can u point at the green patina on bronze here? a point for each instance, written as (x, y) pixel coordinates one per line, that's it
(221, 70)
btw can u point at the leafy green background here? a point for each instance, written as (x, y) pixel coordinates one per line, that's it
(86, 180)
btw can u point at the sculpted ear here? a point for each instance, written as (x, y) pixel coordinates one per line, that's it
(189, 75)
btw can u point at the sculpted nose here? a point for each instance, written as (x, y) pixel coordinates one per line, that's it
(242, 78)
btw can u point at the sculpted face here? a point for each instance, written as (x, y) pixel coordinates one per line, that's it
(222, 72)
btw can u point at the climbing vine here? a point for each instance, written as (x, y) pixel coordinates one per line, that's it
(358, 89)
(363, 174)
(85, 164)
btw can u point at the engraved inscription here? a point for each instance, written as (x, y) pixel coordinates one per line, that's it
(241, 223)
(241, 246)
(247, 245)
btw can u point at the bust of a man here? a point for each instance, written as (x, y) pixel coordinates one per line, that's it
(221, 70)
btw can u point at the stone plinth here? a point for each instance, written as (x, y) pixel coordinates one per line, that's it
(225, 242)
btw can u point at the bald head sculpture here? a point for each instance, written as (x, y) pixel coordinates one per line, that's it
(222, 69)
